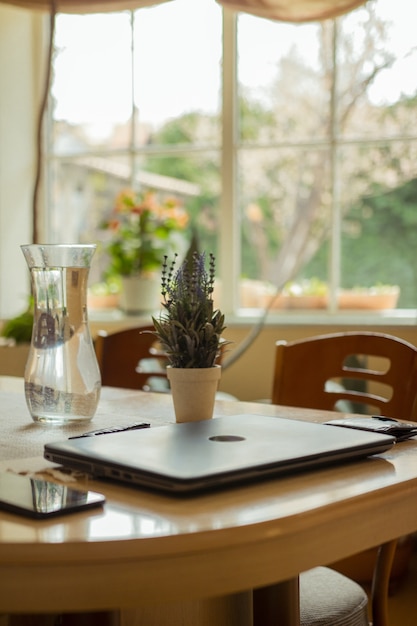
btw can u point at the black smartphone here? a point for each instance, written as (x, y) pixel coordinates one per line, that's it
(42, 499)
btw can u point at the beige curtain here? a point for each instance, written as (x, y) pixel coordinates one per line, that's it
(285, 10)
(293, 10)
(82, 6)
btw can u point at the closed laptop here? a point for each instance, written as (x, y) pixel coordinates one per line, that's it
(220, 452)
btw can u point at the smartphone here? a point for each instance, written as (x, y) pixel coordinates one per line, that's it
(399, 429)
(42, 499)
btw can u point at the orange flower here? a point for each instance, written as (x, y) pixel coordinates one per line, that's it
(113, 224)
(143, 230)
(125, 201)
(178, 215)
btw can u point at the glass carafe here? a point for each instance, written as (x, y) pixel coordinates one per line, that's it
(62, 378)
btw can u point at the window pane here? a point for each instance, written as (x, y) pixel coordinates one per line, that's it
(377, 57)
(177, 69)
(376, 100)
(195, 178)
(82, 196)
(91, 89)
(286, 213)
(379, 232)
(283, 80)
(284, 75)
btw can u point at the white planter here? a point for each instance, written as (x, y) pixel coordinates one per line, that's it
(140, 294)
(193, 392)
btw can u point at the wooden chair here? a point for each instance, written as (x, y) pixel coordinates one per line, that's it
(305, 369)
(130, 359)
(374, 372)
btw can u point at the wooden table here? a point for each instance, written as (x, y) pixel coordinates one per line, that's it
(191, 560)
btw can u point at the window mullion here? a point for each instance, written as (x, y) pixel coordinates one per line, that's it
(335, 243)
(133, 121)
(230, 230)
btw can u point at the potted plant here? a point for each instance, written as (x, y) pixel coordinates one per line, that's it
(18, 330)
(141, 229)
(104, 294)
(309, 293)
(377, 297)
(189, 330)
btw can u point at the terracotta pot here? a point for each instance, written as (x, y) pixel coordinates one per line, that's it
(193, 392)
(140, 294)
(104, 301)
(305, 301)
(373, 300)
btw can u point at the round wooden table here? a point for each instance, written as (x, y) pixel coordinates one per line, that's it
(168, 560)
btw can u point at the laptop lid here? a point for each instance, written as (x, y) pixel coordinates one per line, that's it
(229, 450)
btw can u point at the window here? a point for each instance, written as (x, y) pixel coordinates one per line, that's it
(301, 174)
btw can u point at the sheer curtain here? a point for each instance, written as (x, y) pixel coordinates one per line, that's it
(81, 6)
(293, 10)
(285, 10)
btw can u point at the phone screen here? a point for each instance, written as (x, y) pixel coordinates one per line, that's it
(42, 499)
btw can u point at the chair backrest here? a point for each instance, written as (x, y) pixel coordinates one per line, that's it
(130, 359)
(373, 371)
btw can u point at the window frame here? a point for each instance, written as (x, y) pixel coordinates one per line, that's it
(229, 234)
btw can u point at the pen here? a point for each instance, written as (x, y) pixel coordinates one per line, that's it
(112, 429)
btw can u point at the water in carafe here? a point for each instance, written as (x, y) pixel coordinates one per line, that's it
(62, 378)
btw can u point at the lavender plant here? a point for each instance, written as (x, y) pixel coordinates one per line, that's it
(189, 329)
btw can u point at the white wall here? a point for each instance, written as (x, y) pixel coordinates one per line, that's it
(19, 96)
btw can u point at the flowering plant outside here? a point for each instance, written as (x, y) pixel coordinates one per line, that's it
(142, 230)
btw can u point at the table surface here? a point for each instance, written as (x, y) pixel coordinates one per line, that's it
(151, 546)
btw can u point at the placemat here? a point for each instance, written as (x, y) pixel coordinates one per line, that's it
(21, 437)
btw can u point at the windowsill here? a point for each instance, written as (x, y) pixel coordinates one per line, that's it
(394, 317)
(389, 317)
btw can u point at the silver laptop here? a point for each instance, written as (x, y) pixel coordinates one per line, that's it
(231, 450)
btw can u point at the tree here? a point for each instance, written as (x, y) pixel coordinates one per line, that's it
(376, 218)
(297, 179)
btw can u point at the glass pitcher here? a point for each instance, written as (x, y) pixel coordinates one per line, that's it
(62, 377)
